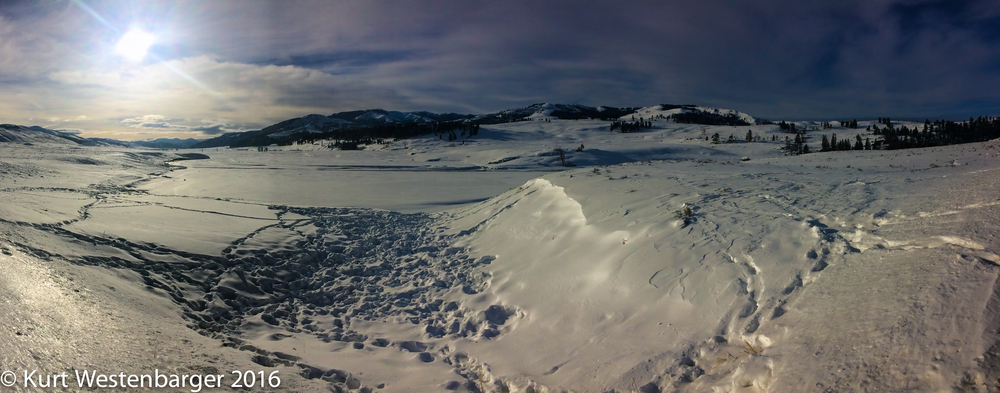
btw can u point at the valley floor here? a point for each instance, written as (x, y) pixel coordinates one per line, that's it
(433, 267)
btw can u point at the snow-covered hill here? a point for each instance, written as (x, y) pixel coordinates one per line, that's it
(35, 134)
(666, 111)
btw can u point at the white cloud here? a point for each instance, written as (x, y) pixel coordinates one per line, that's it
(66, 120)
(163, 96)
(151, 121)
(74, 131)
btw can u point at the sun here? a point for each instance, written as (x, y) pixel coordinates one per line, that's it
(134, 45)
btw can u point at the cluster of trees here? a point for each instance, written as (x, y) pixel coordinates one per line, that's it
(791, 127)
(732, 139)
(938, 133)
(833, 144)
(788, 127)
(798, 145)
(750, 137)
(709, 119)
(630, 126)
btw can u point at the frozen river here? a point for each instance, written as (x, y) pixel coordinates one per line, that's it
(285, 178)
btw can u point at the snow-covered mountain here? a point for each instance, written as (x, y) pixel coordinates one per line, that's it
(285, 131)
(11, 133)
(292, 130)
(318, 124)
(547, 111)
(377, 117)
(35, 134)
(553, 111)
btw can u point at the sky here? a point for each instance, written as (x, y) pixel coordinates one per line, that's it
(222, 66)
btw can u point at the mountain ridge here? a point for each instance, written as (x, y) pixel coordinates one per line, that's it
(283, 132)
(318, 126)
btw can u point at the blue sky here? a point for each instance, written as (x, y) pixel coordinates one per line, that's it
(218, 66)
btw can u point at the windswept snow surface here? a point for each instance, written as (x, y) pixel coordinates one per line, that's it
(486, 265)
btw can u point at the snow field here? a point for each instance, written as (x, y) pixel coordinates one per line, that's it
(849, 271)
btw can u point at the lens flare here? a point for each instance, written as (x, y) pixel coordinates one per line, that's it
(134, 45)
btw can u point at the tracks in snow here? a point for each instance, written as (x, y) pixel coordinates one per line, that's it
(313, 271)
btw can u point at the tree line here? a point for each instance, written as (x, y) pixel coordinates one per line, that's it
(352, 138)
(709, 119)
(937, 133)
(630, 126)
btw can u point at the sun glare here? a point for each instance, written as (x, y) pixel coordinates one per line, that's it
(134, 45)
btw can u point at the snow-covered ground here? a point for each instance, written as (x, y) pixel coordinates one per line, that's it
(488, 265)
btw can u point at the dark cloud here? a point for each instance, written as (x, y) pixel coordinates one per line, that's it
(270, 60)
(211, 130)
